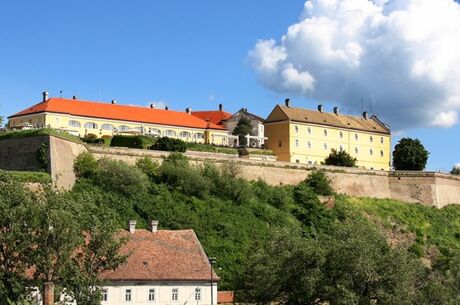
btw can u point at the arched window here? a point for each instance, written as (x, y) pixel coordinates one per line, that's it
(198, 135)
(107, 127)
(170, 133)
(74, 124)
(90, 125)
(185, 134)
(123, 128)
(155, 132)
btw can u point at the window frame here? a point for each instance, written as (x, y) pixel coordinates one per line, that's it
(151, 295)
(93, 125)
(197, 294)
(78, 125)
(130, 294)
(174, 294)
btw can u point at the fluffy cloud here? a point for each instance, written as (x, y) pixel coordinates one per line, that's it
(401, 55)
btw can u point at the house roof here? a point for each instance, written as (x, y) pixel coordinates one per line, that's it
(372, 124)
(162, 255)
(225, 297)
(215, 117)
(245, 112)
(118, 112)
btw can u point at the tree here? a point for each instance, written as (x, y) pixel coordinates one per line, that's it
(455, 170)
(242, 129)
(318, 181)
(340, 158)
(410, 154)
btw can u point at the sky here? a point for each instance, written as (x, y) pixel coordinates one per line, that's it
(400, 57)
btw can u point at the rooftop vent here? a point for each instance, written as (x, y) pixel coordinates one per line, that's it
(221, 107)
(336, 110)
(320, 108)
(365, 114)
(188, 110)
(287, 102)
(45, 96)
(74, 97)
(132, 226)
(114, 102)
(152, 106)
(166, 108)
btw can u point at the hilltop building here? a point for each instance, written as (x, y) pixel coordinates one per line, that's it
(163, 267)
(307, 136)
(82, 118)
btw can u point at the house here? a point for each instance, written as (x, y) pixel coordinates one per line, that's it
(307, 136)
(230, 121)
(163, 267)
(82, 118)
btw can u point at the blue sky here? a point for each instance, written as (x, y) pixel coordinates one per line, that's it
(183, 53)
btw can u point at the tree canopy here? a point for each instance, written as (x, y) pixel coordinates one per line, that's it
(340, 158)
(410, 154)
(243, 128)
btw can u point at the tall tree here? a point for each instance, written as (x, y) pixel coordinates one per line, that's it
(410, 154)
(340, 158)
(243, 128)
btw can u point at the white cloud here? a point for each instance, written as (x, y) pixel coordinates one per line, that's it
(403, 55)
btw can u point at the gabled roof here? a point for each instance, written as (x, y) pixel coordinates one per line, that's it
(119, 112)
(162, 255)
(372, 124)
(215, 117)
(249, 114)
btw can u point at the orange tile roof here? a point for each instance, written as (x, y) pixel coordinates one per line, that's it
(162, 255)
(118, 112)
(225, 297)
(215, 117)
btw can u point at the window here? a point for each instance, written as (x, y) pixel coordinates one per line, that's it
(325, 146)
(356, 136)
(170, 133)
(151, 294)
(296, 128)
(371, 139)
(155, 132)
(309, 130)
(123, 128)
(297, 161)
(199, 136)
(356, 150)
(128, 295)
(185, 134)
(175, 294)
(197, 294)
(104, 294)
(325, 132)
(381, 153)
(309, 144)
(296, 143)
(381, 140)
(90, 125)
(280, 143)
(107, 127)
(371, 152)
(341, 135)
(75, 124)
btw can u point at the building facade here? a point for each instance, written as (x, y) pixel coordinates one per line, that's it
(82, 118)
(306, 136)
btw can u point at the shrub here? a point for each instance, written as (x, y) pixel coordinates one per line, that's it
(211, 148)
(148, 167)
(142, 142)
(410, 154)
(340, 158)
(85, 165)
(42, 157)
(455, 170)
(106, 140)
(320, 184)
(170, 144)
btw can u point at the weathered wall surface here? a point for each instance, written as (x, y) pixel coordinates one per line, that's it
(21, 154)
(415, 187)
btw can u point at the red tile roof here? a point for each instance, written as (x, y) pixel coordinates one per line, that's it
(118, 112)
(162, 255)
(225, 297)
(215, 117)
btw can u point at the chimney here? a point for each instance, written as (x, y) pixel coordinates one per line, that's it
(114, 102)
(287, 102)
(336, 110)
(166, 108)
(188, 110)
(154, 225)
(152, 106)
(132, 226)
(45, 96)
(320, 108)
(365, 115)
(74, 97)
(221, 107)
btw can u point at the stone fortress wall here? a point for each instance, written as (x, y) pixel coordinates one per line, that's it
(430, 188)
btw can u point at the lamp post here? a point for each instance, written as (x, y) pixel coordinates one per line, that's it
(212, 261)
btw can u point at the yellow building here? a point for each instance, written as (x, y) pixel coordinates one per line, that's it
(82, 118)
(308, 136)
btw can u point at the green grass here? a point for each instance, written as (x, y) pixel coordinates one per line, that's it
(18, 134)
(264, 152)
(432, 226)
(211, 148)
(38, 177)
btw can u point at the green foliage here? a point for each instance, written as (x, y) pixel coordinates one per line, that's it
(455, 170)
(211, 148)
(85, 165)
(410, 154)
(170, 144)
(18, 134)
(340, 158)
(142, 142)
(42, 157)
(32, 177)
(148, 167)
(243, 128)
(318, 181)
